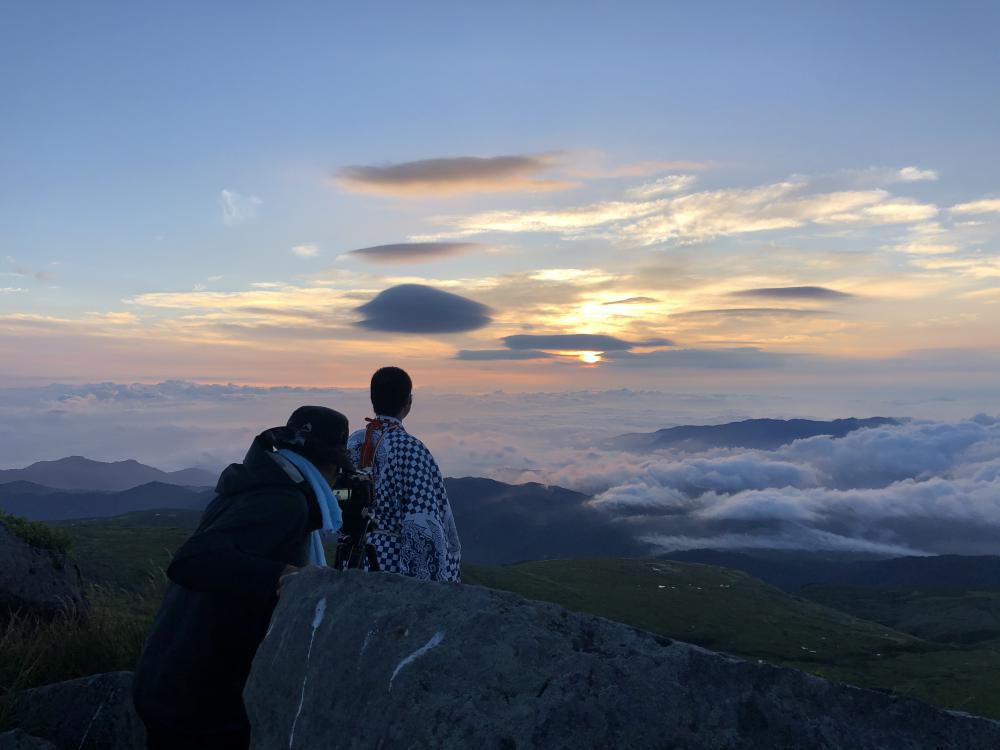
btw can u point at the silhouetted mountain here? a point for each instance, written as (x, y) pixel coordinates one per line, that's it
(44, 504)
(502, 523)
(78, 473)
(764, 434)
(792, 572)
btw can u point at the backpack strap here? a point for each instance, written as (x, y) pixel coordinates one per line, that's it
(369, 448)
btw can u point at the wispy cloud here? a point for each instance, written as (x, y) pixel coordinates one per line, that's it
(915, 174)
(413, 252)
(309, 250)
(984, 206)
(486, 355)
(675, 183)
(701, 216)
(576, 342)
(751, 312)
(237, 208)
(631, 301)
(462, 174)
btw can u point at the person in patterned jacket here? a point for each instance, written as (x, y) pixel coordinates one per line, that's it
(416, 529)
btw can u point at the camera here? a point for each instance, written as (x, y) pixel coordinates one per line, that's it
(355, 493)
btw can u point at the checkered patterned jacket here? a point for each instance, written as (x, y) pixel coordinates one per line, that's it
(417, 535)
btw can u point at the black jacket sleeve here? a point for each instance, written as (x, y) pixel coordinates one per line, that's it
(233, 552)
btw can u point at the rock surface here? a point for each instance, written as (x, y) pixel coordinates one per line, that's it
(357, 660)
(37, 581)
(92, 713)
(18, 740)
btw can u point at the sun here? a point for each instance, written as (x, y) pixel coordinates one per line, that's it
(590, 358)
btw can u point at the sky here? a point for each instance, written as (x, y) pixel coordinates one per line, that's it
(770, 198)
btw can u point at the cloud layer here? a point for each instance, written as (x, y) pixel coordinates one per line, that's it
(917, 487)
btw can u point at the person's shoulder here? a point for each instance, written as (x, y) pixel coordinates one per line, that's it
(411, 443)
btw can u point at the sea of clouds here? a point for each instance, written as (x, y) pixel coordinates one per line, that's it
(919, 487)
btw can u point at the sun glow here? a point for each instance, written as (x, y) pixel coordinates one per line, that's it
(590, 358)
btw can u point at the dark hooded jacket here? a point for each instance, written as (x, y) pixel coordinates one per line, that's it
(221, 595)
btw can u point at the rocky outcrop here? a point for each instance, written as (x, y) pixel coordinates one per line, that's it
(18, 740)
(358, 660)
(92, 713)
(36, 581)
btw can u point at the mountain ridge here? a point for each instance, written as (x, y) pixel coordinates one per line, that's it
(81, 473)
(763, 434)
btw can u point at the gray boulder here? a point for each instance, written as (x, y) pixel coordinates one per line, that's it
(91, 713)
(357, 660)
(37, 581)
(18, 740)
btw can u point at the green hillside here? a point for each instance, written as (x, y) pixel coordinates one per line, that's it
(125, 551)
(728, 611)
(942, 615)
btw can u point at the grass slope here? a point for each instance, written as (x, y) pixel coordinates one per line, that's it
(125, 551)
(728, 611)
(942, 615)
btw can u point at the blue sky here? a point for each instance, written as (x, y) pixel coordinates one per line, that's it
(162, 164)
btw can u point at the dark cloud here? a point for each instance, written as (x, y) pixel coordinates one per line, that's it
(413, 252)
(570, 342)
(793, 292)
(632, 301)
(483, 355)
(452, 175)
(752, 312)
(415, 308)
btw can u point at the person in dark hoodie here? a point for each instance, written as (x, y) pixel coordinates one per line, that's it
(224, 584)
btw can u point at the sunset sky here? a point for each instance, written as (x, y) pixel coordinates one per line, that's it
(520, 196)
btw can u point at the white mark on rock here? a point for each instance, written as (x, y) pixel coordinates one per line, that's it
(433, 643)
(93, 718)
(368, 639)
(317, 620)
(319, 614)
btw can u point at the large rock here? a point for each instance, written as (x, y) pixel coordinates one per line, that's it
(92, 713)
(37, 581)
(18, 740)
(357, 660)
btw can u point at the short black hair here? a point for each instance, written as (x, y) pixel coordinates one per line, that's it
(391, 388)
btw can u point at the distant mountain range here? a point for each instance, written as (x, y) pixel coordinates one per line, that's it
(504, 523)
(764, 434)
(79, 473)
(793, 571)
(499, 523)
(39, 503)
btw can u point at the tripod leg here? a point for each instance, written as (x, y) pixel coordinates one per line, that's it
(372, 558)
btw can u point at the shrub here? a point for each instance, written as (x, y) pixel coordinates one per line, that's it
(38, 534)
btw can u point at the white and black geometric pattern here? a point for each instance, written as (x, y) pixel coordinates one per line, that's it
(417, 535)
